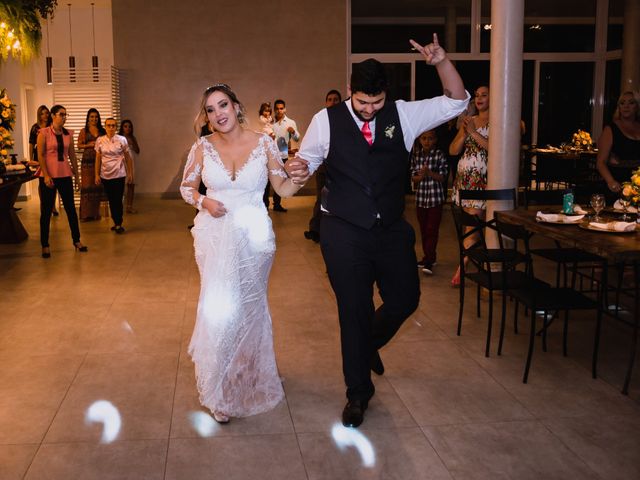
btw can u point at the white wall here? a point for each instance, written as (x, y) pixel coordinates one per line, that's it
(169, 52)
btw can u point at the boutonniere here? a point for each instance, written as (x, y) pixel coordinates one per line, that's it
(388, 132)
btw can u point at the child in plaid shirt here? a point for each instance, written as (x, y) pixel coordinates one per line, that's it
(429, 170)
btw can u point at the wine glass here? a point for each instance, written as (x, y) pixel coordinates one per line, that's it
(624, 203)
(597, 203)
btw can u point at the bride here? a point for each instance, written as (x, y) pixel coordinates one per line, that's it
(232, 342)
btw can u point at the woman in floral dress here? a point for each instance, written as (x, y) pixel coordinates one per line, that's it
(471, 174)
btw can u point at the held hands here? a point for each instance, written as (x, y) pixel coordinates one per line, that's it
(433, 53)
(298, 170)
(214, 207)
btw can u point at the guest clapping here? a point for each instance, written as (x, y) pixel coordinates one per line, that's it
(473, 136)
(113, 166)
(55, 147)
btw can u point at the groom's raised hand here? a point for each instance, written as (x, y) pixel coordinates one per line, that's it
(433, 53)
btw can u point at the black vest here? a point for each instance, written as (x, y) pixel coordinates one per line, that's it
(365, 181)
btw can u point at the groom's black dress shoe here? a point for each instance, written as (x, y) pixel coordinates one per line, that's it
(353, 413)
(376, 364)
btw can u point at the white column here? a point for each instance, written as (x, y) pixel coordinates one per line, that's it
(630, 77)
(505, 96)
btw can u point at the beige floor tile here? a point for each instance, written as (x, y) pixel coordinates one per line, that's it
(456, 400)
(140, 387)
(132, 460)
(505, 450)
(15, 459)
(236, 458)
(33, 388)
(55, 328)
(140, 327)
(351, 454)
(608, 444)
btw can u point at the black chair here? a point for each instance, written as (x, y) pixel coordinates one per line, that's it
(470, 229)
(635, 327)
(539, 296)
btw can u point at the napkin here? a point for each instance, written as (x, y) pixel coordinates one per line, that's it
(558, 218)
(616, 226)
(547, 217)
(618, 206)
(580, 210)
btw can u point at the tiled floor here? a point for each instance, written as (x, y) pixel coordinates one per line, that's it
(113, 325)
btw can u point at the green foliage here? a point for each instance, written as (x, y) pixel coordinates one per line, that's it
(20, 30)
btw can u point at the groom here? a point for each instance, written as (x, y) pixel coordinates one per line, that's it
(364, 143)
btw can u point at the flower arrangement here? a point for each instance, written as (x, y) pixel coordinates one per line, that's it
(582, 140)
(7, 121)
(631, 189)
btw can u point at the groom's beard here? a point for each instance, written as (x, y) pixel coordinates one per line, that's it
(360, 117)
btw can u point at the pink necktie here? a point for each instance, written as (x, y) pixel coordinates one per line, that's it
(366, 131)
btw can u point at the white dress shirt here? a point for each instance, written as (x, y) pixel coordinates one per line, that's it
(281, 131)
(415, 118)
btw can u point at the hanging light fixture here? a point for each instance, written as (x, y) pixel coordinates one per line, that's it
(49, 59)
(94, 59)
(72, 59)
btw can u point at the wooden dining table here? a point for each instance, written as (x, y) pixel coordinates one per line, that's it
(619, 249)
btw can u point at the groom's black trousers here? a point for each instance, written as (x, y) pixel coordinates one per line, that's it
(357, 258)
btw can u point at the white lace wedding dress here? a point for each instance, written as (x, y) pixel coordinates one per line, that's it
(232, 343)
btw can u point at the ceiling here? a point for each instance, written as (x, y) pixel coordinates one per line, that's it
(435, 8)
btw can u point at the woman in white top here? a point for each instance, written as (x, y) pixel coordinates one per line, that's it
(113, 166)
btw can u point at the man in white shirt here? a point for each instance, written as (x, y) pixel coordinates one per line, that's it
(284, 130)
(364, 143)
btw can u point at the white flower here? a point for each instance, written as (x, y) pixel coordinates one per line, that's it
(389, 131)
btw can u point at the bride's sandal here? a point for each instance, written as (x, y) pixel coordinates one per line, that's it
(220, 417)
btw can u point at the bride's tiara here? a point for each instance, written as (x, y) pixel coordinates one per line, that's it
(216, 86)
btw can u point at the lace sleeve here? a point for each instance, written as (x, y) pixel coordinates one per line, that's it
(274, 162)
(192, 175)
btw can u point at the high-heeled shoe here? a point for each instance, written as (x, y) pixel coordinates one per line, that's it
(46, 253)
(80, 247)
(220, 417)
